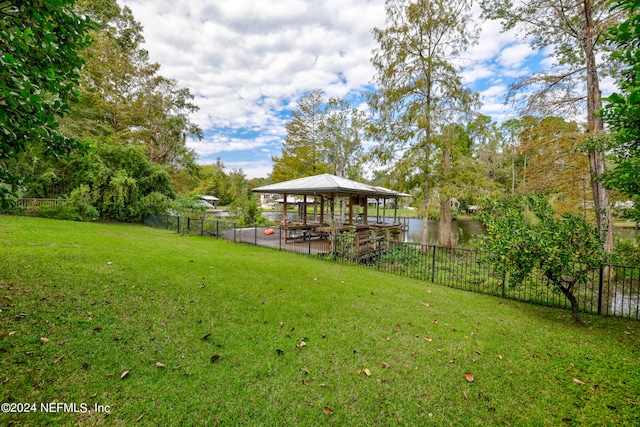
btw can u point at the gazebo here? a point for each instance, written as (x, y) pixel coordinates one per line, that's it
(325, 189)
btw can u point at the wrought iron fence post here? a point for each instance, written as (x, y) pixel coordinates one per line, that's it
(255, 234)
(280, 238)
(504, 282)
(600, 283)
(234, 232)
(308, 234)
(380, 240)
(202, 227)
(433, 265)
(217, 228)
(179, 226)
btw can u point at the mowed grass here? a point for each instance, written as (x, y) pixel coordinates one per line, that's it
(253, 336)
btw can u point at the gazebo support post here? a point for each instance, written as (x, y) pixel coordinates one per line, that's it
(284, 217)
(351, 210)
(384, 210)
(304, 210)
(395, 210)
(366, 210)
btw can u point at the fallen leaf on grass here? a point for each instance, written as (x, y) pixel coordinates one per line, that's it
(577, 381)
(367, 372)
(469, 377)
(304, 382)
(385, 365)
(139, 418)
(428, 339)
(303, 344)
(206, 337)
(426, 304)
(57, 359)
(465, 394)
(159, 365)
(112, 374)
(327, 410)
(12, 333)
(44, 340)
(478, 352)
(85, 366)
(124, 374)
(215, 357)
(499, 356)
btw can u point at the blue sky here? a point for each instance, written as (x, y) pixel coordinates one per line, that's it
(248, 62)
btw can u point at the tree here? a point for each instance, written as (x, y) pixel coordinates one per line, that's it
(555, 166)
(564, 249)
(215, 182)
(123, 183)
(342, 132)
(575, 32)
(302, 150)
(122, 94)
(490, 152)
(418, 89)
(39, 45)
(622, 111)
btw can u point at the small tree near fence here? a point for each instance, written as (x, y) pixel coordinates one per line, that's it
(563, 248)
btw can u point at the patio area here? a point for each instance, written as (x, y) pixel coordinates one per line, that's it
(331, 205)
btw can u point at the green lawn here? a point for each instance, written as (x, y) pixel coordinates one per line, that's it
(213, 332)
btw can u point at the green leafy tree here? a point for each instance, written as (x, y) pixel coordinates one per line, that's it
(39, 72)
(343, 130)
(122, 94)
(302, 147)
(124, 184)
(622, 111)
(215, 182)
(563, 249)
(418, 87)
(574, 30)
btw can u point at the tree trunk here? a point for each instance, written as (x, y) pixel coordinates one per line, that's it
(446, 234)
(595, 126)
(575, 307)
(425, 225)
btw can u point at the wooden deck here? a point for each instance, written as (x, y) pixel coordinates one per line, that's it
(313, 241)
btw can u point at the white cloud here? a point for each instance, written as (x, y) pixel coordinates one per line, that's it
(248, 62)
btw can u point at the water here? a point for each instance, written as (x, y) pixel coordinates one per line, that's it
(463, 231)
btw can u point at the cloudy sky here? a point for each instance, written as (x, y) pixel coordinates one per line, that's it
(248, 62)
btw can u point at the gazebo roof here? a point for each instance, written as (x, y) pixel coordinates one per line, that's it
(327, 184)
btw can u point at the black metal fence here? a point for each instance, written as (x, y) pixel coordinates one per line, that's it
(610, 291)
